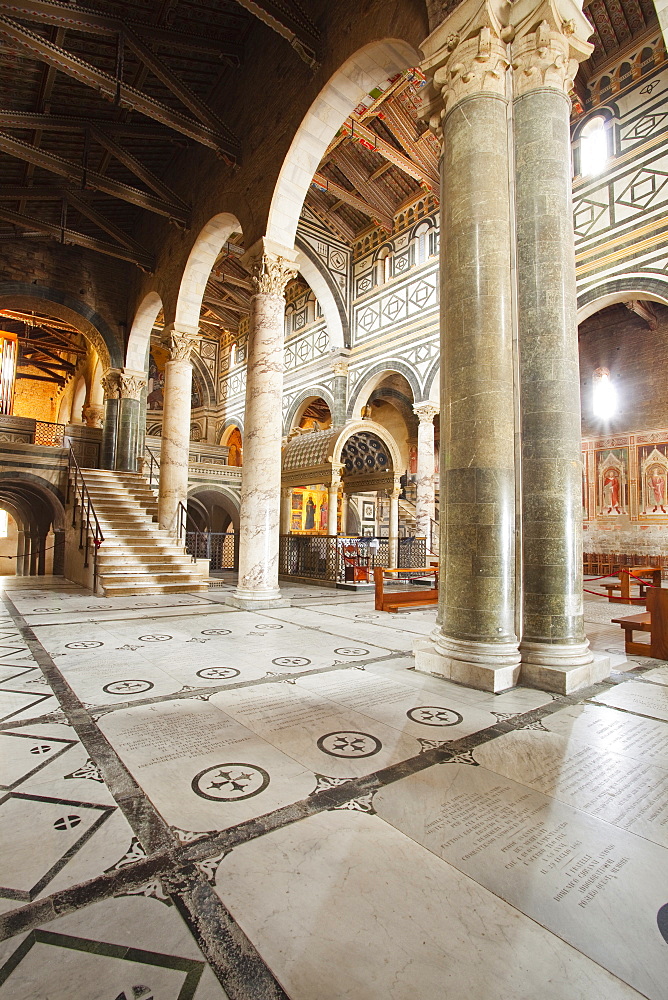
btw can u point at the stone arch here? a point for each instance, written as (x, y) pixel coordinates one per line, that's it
(375, 375)
(327, 293)
(201, 259)
(224, 496)
(644, 286)
(432, 382)
(301, 402)
(78, 401)
(202, 373)
(372, 427)
(366, 69)
(30, 491)
(224, 430)
(140, 332)
(92, 326)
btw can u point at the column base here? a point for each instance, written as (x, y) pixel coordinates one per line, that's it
(483, 665)
(248, 601)
(562, 669)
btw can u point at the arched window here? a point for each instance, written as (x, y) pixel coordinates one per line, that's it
(422, 243)
(604, 395)
(594, 150)
(383, 266)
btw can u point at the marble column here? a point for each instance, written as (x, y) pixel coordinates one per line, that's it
(271, 268)
(475, 642)
(286, 509)
(546, 51)
(34, 553)
(131, 384)
(425, 504)
(112, 391)
(340, 393)
(20, 551)
(394, 527)
(345, 503)
(332, 508)
(175, 447)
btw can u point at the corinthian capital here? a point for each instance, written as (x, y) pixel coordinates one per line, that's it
(111, 383)
(425, 412)
(466, 55)
(131, 384)
(271, 267)
(180, 343)
(548, 46)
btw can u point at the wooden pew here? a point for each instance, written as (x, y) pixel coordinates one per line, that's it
(654, 621)
(626, 580)
(404, 599)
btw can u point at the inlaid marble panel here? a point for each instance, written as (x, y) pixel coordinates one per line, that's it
(639, 697)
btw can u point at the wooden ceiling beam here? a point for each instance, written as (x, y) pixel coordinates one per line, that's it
(138, 169)
(374, 212)
(41, 378)
(337, 225)
(143, 261)
(358, 131)
(102, 222)
(84, 178)
(71, 123)
(293, 25)
(355, 172)
(82, 18)
(109, 87)
(34, 346)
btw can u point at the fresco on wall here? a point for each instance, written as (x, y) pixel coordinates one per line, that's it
(612, 482)
(309, 511)
(158, 357)
(653, 479)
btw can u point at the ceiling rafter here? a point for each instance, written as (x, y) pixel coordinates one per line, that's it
(142, 260)
(318, 205)
(85, 18)
(137, 168)
(373, 211)
(356, 173)
(370, 138)
(116, 89)
(102, 222)
(34, 347)
(45, 90)
(293, 25)
(91, 179)
(70, 123)
(403, 128)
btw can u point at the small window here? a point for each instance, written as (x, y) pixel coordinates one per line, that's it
(604, 395)
(593, 147)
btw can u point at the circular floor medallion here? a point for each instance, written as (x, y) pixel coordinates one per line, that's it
(434, 715)
(291, 661)
(230, 782)
(154, 638)
(218, 673)
(67, 822)
(127, 687)
(351, 651)
(41, 748)
(349, 744)
(83, 644)
(216, 631)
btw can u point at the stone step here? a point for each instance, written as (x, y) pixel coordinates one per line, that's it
(136, 590)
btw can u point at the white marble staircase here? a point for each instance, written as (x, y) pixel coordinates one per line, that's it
(136, 557)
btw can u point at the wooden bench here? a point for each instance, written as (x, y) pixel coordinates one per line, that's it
(625, 581)
(404, 599)
(654, 621)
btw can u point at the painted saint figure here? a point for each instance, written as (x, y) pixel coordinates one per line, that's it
(611, 487)
(309, 521)
(658, 486)
(324, 509)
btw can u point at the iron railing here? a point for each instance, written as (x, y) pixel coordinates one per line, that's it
(89, 526)
(153, 468)
(184, 516)
(216, 546)
(52, 435)
(325, 557)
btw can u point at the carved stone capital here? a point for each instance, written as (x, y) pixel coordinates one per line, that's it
(271, 274)
(181, 344)
(111, 383)
(425, 412)
(340, 368)
(131, 384)
(548, 47)
(93, 415)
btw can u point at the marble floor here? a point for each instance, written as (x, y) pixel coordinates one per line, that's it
(200, 802)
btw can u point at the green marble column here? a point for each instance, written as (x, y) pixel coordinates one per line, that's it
(555, 652)
(475, 642)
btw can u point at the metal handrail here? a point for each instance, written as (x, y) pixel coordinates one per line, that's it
(92, 525)
(153, 464)
(183, 517)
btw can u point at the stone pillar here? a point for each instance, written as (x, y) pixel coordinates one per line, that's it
(20, 551)
(340, 393)
(41, 554)
(112, 391)
(425, 505)
(546, 51)
(332, 509)
(286, 509)
(345, 501)
(34, 553)
(394, 527)
(131, 384)
(475, 642)
(271, 267)
(58, 551)
(175, 448)
(27, 544)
